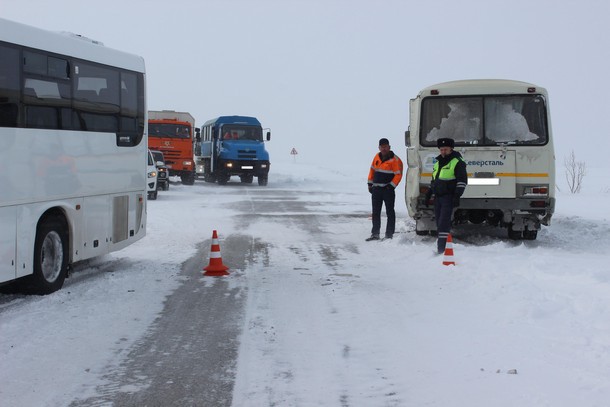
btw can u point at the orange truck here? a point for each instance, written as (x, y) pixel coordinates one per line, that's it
(172, 133)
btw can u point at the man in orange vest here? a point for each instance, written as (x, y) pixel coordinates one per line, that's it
(384, 176)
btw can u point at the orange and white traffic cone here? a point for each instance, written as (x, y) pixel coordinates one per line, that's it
(215, 268)
(448, 256)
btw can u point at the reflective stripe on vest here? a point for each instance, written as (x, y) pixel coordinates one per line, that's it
(447, 173)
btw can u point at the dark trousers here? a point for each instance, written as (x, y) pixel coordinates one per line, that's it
(443, 209)
(379, 197)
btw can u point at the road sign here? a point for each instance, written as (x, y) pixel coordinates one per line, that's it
(293, 151)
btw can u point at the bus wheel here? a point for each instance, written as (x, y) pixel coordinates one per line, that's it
(514, 234)
(50, 256)
(262, 180)
(530, 234)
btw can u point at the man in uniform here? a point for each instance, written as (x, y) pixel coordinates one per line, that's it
(449, 179)
(384, 176)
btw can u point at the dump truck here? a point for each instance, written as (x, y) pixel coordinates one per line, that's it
(173, 133)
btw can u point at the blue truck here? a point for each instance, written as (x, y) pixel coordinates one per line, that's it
(232, 145)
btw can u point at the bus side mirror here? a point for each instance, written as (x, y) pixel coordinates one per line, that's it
(268, 135)
(408, 138)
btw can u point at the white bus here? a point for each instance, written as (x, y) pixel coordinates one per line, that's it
(502, 129)
(73, 153)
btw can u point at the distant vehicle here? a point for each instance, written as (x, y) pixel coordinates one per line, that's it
(233, 145)
(72, 125)
(152, 177)
(162, 171)
(502, 129)
(172, 133)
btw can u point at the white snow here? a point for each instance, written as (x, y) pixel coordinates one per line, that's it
(334, 320)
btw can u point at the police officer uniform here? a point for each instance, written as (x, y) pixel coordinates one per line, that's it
(449, 180)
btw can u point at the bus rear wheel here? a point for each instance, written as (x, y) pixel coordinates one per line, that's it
(50, 257)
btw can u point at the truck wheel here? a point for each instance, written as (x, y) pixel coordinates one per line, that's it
(50, 257)
(246, 179)
(188, 179)
(223, 179)
(262, 180)
(152, 195)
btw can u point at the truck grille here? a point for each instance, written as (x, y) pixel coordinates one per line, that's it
(246, 155)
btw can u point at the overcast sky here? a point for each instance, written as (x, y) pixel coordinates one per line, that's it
(330, 77)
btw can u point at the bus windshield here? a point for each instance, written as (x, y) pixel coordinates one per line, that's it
(238, 132)
(168, 130)
(485, 120)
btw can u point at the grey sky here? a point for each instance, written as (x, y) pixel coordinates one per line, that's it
(330, 77)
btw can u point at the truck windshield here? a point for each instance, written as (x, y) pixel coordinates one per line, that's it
(485, 120)
(236, 132)
(168, 130)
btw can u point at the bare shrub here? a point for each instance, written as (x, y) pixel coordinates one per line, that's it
(575, 172)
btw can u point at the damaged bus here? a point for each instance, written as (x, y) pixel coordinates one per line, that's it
(502, 128)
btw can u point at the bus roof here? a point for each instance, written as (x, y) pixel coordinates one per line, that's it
(481, 87)
(68, 44)
(247, 120)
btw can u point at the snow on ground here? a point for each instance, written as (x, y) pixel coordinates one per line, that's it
(333, 320)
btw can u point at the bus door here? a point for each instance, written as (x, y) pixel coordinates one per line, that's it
(491, 173)
(7, 243)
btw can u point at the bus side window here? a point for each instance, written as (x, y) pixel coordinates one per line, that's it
(9, 86)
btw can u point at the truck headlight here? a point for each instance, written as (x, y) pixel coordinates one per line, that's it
(152, 174)
(187, 163)
(229, 165)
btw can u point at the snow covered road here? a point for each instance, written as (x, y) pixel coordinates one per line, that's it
(313, 315)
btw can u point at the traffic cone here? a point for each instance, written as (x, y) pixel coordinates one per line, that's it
(448, 256)
(215, 268)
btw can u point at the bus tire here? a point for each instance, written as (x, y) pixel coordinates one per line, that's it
(530, 234)
(514, 234)
(50, 256)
